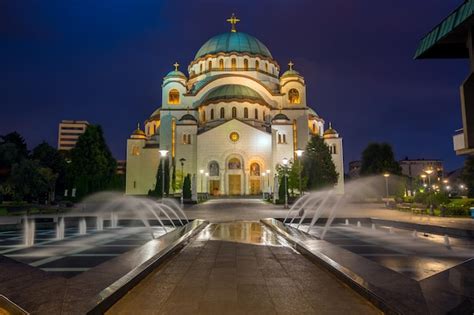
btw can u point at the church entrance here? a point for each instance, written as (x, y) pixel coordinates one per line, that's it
(234, 185)
(214, 187)
(255, 187)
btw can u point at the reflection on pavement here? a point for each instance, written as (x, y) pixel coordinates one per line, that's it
(245, 232)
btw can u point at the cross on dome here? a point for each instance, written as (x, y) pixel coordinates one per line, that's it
(233, 20)
(291, 64)
(176, 65)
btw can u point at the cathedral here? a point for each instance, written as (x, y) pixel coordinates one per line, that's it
(229, 122)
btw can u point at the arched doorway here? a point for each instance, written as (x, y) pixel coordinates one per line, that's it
(234, 175)
(255, 179)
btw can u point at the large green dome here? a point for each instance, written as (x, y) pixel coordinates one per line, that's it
(233, 92)
(233, 42)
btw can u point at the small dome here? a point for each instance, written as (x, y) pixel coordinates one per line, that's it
(175, 74)
(290, 73)
(281, 116)
(233, 42)
(188, 117)
(330, 132)
(233, 92)
(138, 133)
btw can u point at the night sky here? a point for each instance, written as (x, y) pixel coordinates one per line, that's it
(103, 61)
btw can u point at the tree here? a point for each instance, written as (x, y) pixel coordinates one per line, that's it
(294, 178)
(92, 165)
(468, 175)
(29, 182)
(282, 172)
(18, 141)
(318, 167)
(13, 149)
(49, 157)
(158, 191)
(379, 158)
(187, 193)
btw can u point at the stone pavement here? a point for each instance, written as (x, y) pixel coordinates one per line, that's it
(240, 268)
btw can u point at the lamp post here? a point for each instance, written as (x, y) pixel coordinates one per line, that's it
(201, 172)
(429, 171)
(182, 160)
(299, 154)
(268, 182)
(285, 166)
(163, 154)
(386, 175)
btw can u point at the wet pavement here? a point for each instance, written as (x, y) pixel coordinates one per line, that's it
(240, 268)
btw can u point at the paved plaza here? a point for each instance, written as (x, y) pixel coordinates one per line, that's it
(241, 268)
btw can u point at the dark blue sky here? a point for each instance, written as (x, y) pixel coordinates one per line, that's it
(103, 61)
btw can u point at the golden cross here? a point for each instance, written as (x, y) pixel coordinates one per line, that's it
(176, 65)
(233, 20)
(291, 64)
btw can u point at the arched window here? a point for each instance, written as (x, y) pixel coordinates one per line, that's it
(334, 149)
(256, 113)
(203, 115)
(257, 64)
(246, 64)
(263, 115)
(254, 169)
(221, 64)
(284, 138)
(213, 168)
(173, 96)
(246, 112)
(212, 113)
(186, 138)
(294, 96)
(266, 66)
(135, 150)
(209, 65)
(200, 68)
(234, 164)
(154, 129)
(222, 113)
(233, 64)
(279, 138)
(234, 112)
(314, 127)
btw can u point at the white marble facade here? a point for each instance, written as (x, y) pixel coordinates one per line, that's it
(233, 117)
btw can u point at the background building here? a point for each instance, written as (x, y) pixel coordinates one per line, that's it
(354, 169)
(68, 133)
(415, 167)
(233, 119)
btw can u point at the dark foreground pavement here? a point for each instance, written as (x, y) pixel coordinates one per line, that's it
(240, 268)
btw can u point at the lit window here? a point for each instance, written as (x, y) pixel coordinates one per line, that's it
(246, 112)
(221, 64)
(135, 150)
(246, 64)
(222, 113)
(173, 96)
(314, 127)
(233, 64)
(234, 112)
(293, 96)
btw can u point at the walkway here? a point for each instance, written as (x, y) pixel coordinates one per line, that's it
(240, 268)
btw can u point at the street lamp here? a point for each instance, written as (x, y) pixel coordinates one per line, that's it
(201, 172)
(163, 154)
(182, 160)
(285, 166)
(268, 181)
(386, 175)
(429, 171)
(299, 154)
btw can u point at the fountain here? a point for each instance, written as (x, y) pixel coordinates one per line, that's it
(358, 224)
(373, 226)
(28, 231)
(82, 226)
(60, 226)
